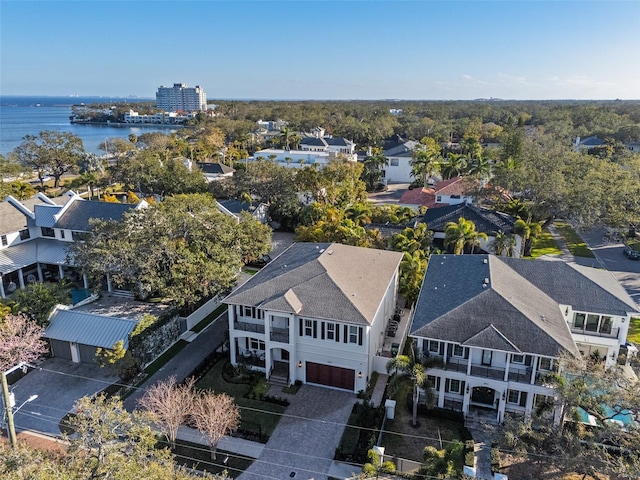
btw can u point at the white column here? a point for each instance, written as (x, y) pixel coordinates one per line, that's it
(441, 393)
(469, 362)
(61, 271)
(528, 405)
(467, 398)
(109, 287)
(21, 278)
(85, 281)
(502, 405)
(446, 349)
(534, 368)
(506, 368)
(39, 268)
(2, 288)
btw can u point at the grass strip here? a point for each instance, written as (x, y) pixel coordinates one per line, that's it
(574, 242)
(545, 244)
(206, 321)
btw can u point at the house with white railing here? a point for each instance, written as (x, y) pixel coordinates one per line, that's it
(318, 313)
(492, 328)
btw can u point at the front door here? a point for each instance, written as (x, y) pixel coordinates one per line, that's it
(75, 352)
(483, 395)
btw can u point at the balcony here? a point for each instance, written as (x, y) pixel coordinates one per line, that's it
(487, 372)
(249, 327)
(604, 333)
(519, 375)
(456, 365)
(279, 335)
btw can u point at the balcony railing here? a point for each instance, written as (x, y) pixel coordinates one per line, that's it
(611, 334)
(279, 335)
(487, 372)
(519, 375)
(249, 327)
(456, 365)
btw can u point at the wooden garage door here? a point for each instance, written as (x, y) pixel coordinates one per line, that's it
(332, 376)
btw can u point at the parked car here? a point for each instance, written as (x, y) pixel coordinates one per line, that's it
(631, 254)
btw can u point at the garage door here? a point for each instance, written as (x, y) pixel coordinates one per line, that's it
(331, 376)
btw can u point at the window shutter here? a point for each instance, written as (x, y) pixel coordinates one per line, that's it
(442, 346)
(301, 329)
(315, 329)
(359, 335)
(337, 332)
(449, 350)
(523, 399)
(462, 386)
(346, 334)
(322, 331)
(466, 352)
(527, 360)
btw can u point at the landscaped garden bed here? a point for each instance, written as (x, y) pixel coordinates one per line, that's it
(259, 413)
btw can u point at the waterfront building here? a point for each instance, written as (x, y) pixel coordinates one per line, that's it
(181, 97)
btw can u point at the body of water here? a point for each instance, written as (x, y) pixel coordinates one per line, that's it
(20, 116)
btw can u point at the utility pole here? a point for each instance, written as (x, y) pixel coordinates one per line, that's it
(11, 429)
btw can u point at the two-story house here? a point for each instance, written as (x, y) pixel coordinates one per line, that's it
(496, 326)
(36, 234)
(317, 313)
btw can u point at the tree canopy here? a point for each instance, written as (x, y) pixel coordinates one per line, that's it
(182, 249)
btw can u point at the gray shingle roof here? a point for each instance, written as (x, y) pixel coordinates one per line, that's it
(11, 219)
(77, 215)
(215, 168)
(313, 142)
(89, 329)
(485, 220)
(584, 288)
(462, 296)
(322, 280)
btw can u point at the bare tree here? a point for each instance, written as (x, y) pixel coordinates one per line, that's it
(20, 341)
(215, 415)
(169, 403)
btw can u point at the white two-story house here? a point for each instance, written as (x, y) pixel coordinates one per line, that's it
(496, 326)
(317, 313)
(36, 233)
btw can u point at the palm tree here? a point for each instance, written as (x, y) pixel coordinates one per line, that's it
(372, 172)
(22, 190)
(412, 239)
(425, 161)
(480, 168)
(360, 213)
(503, 244)
(528, 231)
(406, 366)
(285, 138)
(412, 268)
(454, 165)
(462, 234)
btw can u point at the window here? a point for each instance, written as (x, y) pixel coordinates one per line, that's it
(48, 232)
(79, 236)
(605, 325)
(486, 357)
(4, 240)
(331, 331)
(458, 351)
(540, 400)
(247, 312)
(434, 346)
(308, 328)
(513, 396)
(592, 323)
(545, 364)
(517, 359)
(255, 344)
(61, 233)
(578, 320)
(394, 162)
(433, 382)
(25, 234)
(455, 386)
(438, 198)
(353, 334)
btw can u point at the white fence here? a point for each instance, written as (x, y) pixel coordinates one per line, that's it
(202, 312)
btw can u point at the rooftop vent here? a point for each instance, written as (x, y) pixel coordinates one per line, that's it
(486, 280)
(330, 252)
(485, 261)
(542, 318)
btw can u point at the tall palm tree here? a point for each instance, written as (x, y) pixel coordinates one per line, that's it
(372, 171)
(22, 190)
(412, 268)
(462, 234)
(454, 165)
(425, 161)
(528, 230)
(360, 213)
(406, 366)
(412, 239)
(480, 168)
(503, 244)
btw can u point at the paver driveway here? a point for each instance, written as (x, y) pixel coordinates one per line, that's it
(305, 440)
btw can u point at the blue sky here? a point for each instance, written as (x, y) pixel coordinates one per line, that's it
(323, 50)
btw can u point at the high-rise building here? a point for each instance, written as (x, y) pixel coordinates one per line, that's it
(181, 97)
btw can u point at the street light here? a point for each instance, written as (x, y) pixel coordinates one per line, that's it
(9, 403)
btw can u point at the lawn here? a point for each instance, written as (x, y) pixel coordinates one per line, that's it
(545, 244)
(574, 242)
(634, 331)
(409, 442)
(257, 416)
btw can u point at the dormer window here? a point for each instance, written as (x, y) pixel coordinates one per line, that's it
(25, 234)
(48, 232)
(3, 238)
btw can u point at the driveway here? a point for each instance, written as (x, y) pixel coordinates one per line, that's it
(391, 196)
(610, 256)
(58, 384)
(303, 444)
